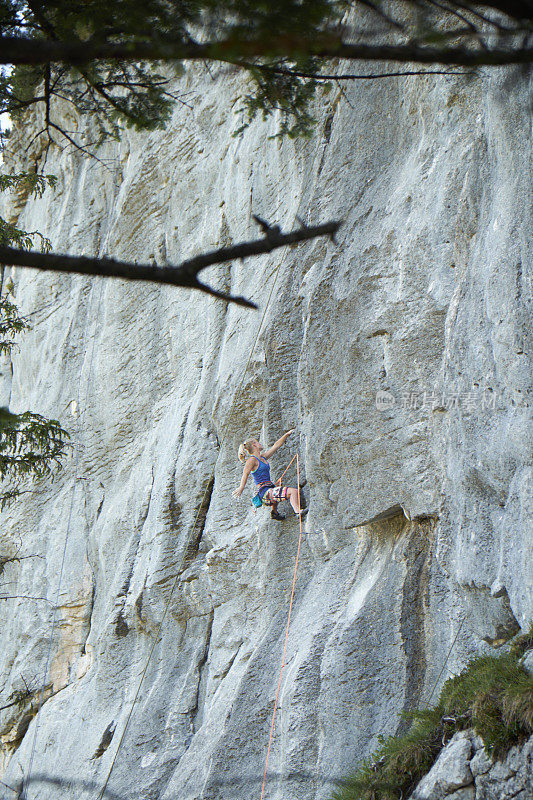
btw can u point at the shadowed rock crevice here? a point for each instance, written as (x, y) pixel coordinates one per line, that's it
(121, 626)
(90, 618)
(105, 741)
(417, 558)
(328, 125)
(173, 509)
(389, 513)
(100, 506)
(197, 710)
(490, 614)
(191, 551)
(134, 545)
(14, 729)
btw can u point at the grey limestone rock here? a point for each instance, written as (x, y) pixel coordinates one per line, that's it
(457, 776)
(510, 778)
(480, 763)
(528, 662)
(450, 772)
(466, 793)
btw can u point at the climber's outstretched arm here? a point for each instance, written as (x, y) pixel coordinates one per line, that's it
(281, 441)
(248, 467)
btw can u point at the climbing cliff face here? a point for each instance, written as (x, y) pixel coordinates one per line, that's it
(399, 354)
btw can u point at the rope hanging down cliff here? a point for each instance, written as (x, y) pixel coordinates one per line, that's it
(286, 632)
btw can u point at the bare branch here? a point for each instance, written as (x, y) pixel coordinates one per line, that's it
(471, 26)
(47, 95)
(496, 23)
(76, 146)
(24, 597)
(392, 22)
(19, 50)
(9, 705)
(318, 76)
(184, 274)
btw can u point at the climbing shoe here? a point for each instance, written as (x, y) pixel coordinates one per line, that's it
(275, 515)
(303, 512)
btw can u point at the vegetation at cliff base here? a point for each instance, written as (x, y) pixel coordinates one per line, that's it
(493, 695)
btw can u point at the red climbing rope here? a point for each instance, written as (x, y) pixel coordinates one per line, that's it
(285, 470)
(287, 630)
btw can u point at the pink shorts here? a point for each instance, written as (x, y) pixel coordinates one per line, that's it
(275, 495)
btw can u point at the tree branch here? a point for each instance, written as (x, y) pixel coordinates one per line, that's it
(19, 50)
(24, 597)
(184, 274)
(9, 705)
(318, 76)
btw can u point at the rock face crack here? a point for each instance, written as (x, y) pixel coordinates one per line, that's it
(173, 509)
(327, 135)
(417, 557)
(90, 616)
(134, 547)
(121, 626)
(193, 545)
(197, 711)
(105, 741)
(230, 663)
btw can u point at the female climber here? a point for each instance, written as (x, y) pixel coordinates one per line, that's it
(254, 458)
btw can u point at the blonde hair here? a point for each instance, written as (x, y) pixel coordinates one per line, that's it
(244, 451)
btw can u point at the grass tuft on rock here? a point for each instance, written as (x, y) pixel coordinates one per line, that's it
(493, 695)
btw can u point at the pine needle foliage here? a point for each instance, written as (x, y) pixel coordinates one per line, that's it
(140, 93)
(11, 324)
(31, 446)
(286, 46)
(28, 183)
(493, 695)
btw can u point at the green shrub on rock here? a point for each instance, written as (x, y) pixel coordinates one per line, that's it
(493, 695)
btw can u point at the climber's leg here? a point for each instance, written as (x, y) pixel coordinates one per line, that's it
(292, 497)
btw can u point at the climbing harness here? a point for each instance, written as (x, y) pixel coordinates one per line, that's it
(258, 501)
(259, 497)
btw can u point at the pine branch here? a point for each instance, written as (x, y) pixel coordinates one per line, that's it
(184, 274)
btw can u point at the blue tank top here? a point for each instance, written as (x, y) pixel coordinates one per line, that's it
(261, 475)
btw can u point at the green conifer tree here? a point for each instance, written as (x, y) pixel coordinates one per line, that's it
(31, 446)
